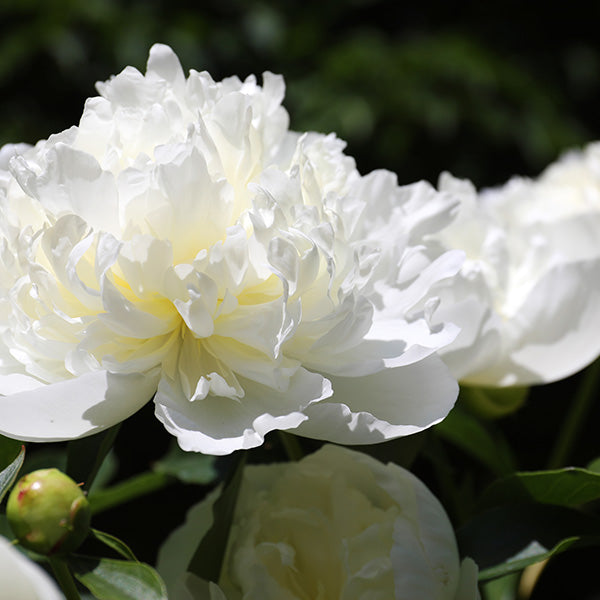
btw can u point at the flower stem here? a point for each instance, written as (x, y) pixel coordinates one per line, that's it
(64, 578)
(291, 445)
(139, 485)
(584, 396)
(438, 457)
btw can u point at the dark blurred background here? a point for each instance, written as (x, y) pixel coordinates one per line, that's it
(484, 89)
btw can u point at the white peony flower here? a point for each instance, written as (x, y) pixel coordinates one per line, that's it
(337, 524)
(182, 241)
(21, 578)
(528, 296)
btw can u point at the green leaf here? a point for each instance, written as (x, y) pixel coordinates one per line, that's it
(480, 440)
(563, 487)
(506, 539)
(86, 455)
(110, 579)
(45, 456)
(9, 448)
(115, 543)
(530, 555)
(502, 588)
(5, 529)
(189, 467)
(9, 475)
(208, 558)
(594, 465)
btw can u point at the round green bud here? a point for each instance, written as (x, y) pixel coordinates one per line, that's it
(493, 403)
(48, 512)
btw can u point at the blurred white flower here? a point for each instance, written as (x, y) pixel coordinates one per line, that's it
(22, 579)
(337, 524)
(528, 296)
(181, 240)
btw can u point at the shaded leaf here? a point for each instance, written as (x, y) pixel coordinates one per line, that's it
(508, 538)
(46, 456)
(208, 558)
(9, 474)
(501, 588)
(480, 440)
(110, 579)
(86, 455)
(115, 543)
(189, 467)
(563, 487)
(5, 529)
(594, 465)
(9, 449)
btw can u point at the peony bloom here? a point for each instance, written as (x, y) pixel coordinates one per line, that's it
(181, 242)
(528, 296)
(337, 524)
(21, 578)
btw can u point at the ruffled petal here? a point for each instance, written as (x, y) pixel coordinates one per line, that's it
(392, 403)
(220, 425)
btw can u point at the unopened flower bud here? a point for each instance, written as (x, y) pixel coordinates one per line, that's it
(48, 512)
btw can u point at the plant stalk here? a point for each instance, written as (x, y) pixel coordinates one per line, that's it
(134, 487)
(64, 578)
(291, 445)
(584, 397)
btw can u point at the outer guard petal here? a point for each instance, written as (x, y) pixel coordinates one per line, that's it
(74, 408)
(386, 405)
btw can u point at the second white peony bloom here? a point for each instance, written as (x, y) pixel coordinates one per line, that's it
(182, 243)
(527, 298)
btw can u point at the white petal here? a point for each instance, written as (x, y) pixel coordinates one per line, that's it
(22, 579)
(389, 404)
(76, 407)
(218, 425)
(556, 329)
(125, 318)
(177, 550)
(17, 382)
(74, 182)
(483, 328)
(467, 585)
(424, 554)
(164, 63)
(561, 320)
